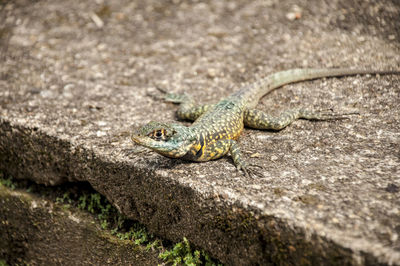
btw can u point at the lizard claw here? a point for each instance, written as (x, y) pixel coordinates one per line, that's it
(242, 166)
(255, 173)
(156, 96)
(249, 171)
(161, 90)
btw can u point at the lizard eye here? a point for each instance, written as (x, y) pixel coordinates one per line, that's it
(158, 134)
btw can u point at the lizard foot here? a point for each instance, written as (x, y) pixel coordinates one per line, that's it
(249, 170)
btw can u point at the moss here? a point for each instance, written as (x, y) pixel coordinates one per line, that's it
(7, 182)
(82, 196)
(237, 220)
(182, 254)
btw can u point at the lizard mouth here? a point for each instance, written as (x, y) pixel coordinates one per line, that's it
(138, 138)
(135, 139)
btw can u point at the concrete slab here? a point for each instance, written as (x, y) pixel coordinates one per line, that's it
(36, 231)
(77, 77)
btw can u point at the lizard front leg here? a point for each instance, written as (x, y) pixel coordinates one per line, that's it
(260, 120)
(221, 147)
(188, 110)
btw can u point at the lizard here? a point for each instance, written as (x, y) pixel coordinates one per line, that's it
(216, 127)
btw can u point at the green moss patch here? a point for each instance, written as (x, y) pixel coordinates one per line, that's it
(84, 197)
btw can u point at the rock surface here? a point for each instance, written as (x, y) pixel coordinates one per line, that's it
(35, 231)
(76, 77)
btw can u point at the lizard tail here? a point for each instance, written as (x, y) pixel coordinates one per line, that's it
(276, 80)
(295, 75)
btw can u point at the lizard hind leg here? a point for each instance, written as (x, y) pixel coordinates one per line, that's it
(260, 120)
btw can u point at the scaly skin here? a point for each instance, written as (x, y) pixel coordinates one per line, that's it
(217, 127)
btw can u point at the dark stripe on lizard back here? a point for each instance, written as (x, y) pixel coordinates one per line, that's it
(199, 153)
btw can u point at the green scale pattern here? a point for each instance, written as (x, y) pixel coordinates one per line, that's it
(217, 127)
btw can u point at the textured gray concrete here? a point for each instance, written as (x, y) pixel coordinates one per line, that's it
(36, 231)
(77, 76)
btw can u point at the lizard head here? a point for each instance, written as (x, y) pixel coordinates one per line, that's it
(171, 140)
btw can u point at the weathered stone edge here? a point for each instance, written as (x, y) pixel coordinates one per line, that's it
(230, 232)
(36, 231)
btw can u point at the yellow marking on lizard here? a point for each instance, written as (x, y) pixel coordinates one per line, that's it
(216, 127)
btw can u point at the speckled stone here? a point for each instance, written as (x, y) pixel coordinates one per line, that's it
(75, 78)
(37, 231)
